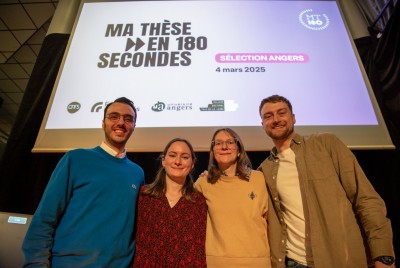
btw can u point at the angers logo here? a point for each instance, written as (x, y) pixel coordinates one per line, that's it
(161, 106)
(152, 45)
(158, 107)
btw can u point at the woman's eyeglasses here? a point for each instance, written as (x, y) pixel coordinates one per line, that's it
(220, 143)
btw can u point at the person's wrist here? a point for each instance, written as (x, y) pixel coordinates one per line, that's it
(388, 260)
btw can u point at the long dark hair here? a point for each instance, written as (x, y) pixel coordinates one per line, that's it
(158, 187)
(243, 166)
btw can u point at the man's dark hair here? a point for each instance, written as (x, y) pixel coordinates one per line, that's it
(275, 99)
(121, 100)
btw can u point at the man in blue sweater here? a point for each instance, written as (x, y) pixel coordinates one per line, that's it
(86, 215)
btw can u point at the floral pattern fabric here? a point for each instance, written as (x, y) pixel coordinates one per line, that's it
(171, 237)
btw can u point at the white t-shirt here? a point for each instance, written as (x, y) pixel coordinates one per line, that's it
(292, 205)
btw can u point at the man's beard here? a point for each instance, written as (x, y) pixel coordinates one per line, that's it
(282, 135)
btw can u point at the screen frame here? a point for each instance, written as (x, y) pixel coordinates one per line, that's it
(353, 136)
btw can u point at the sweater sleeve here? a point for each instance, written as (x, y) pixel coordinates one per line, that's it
(367, 204)
(38, 242)
(198, 185)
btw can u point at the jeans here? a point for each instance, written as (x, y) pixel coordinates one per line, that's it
(290, 263)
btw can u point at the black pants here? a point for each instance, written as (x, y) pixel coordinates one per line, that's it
(290, 263)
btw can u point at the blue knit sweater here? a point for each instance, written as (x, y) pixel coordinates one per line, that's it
(86, 215)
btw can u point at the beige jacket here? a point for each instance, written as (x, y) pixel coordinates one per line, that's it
(343, 212)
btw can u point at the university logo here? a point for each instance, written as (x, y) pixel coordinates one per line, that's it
(158, 107)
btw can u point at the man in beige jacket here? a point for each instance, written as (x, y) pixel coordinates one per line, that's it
(323, 210)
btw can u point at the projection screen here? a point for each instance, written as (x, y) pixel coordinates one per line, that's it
(194, 66)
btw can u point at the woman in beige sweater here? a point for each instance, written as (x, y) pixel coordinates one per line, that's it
(237, 201)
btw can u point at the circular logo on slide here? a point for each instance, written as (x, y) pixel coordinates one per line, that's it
(158, 107)
(73, 107)
(313, 21)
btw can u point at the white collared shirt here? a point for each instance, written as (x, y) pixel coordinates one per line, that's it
(111, 151)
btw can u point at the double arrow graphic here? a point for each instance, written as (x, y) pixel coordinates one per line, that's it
(130, 44)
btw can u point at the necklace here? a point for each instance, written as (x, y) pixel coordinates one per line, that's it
(171, 202)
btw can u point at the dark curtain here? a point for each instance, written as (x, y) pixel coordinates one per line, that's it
(381, 59)
(18, 165)
(377, 12)
(385, 63)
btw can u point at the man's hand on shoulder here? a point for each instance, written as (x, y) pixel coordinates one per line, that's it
(204, 174)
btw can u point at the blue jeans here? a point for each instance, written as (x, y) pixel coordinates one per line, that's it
(290, 263)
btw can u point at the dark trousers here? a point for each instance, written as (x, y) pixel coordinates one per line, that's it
(290, 263)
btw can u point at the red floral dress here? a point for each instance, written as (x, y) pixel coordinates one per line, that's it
(171, 237)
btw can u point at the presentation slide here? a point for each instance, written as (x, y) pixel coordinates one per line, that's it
(194, 66)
